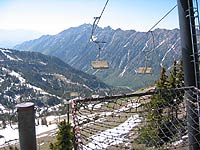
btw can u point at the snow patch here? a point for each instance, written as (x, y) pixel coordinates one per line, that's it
(17, 75)
(43, 79)
(43, 63)
(122, 73)
(8, 56)
(170, 49)
(126, 44)
(105, 138)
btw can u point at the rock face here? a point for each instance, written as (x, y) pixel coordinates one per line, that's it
(125, 50)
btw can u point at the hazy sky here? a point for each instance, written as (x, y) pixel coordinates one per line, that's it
(53, 16)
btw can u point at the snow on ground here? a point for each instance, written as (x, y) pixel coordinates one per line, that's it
(131, 105)
(105, 138)
(83, 118)
(8, 56)
(2, 108)
(125, 108)
(15, 74)
(183, 138)
(115, 135)
(43, 128)
(11, 134)
(96, 106)
(23, 81)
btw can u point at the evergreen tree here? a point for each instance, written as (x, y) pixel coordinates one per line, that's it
(155, 132)
(162, 83)
(180, 75)
(3, 124)
(149, 133)
(64, 137)
(172, 84)
(172, 78)
(175, 80)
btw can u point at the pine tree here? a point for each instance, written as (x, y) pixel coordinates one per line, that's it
(172, 77)
(64, 137)
(152, 133)
(172, 84)
(149, 133)
(162, 83)
(175, 80)
(180, 75)
(3, 124)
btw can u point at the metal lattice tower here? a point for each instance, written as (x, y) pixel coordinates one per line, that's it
(193, 15)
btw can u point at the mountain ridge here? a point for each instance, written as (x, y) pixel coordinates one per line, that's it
(45, 80)
(125, 50)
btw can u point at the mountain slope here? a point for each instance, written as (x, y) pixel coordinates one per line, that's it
(125, 51)
(45, 80)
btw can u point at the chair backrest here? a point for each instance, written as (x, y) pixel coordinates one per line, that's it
(74, 94)
(100, 64)
(144, 70)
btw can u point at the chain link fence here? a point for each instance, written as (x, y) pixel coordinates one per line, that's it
(164, 119)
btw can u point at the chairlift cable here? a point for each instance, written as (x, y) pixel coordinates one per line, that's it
(98, 64)
(154, 46)
(158, 22)
(95, 23)
(150, 30)
(151, 49)
(162, 18)
(97, 19)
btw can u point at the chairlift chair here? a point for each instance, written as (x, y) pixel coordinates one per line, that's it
(99, 64)
(74, 94)
(145, 69)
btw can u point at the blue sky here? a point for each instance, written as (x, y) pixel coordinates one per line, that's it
(53, 16)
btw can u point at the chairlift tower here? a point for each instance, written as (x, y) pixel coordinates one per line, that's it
(190, 67)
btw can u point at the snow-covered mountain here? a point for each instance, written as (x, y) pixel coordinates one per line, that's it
(44, 80)
(125, 50)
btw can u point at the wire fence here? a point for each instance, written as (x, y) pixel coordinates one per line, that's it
(164, 119)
